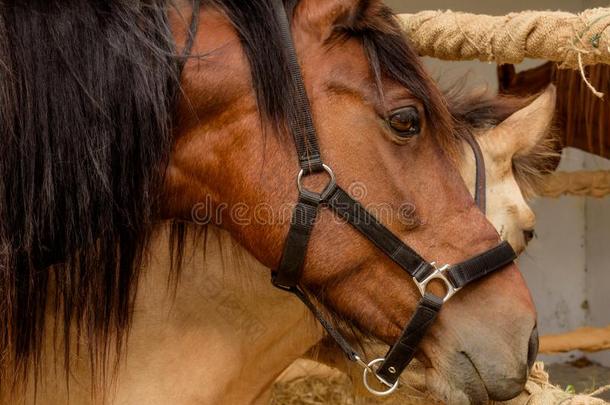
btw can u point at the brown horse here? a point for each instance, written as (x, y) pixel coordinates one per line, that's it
(381, 122)
(348, 53)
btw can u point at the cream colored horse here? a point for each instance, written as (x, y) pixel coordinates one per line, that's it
(225, 334)
(506, 149)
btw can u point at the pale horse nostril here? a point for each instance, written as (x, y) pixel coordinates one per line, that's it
(532, 348)
(528, 235)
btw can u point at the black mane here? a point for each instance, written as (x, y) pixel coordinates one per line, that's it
(86, 99)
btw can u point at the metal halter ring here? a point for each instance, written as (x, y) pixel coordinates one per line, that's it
(369, 370)
(329, 187)
(438, 274)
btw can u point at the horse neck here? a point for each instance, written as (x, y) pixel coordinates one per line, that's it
(222, 336)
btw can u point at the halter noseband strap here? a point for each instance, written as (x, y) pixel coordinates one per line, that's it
(288, 273)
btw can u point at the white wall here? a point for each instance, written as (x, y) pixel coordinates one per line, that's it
(555, 262)
(598, 257)
(567, 265)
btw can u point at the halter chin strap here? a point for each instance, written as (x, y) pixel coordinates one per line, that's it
(388, 369)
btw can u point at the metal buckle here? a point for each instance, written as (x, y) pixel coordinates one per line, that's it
(327, 190)
(439, 274)
(368, 370)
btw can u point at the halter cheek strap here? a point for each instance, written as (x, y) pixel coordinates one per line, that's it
(388, 369)
(480, 177)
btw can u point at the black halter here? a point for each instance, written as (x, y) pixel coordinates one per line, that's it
(387, 370)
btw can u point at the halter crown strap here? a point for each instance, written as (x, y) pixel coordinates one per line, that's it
(303, 129)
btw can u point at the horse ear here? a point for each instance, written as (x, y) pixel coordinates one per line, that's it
(524, 129)
(325, 18)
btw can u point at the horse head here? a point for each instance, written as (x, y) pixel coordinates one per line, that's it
(385, 130)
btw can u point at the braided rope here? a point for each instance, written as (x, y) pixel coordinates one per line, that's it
(556, 36)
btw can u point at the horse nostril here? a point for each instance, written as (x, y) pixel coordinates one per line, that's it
(532, 348)
(529, 235)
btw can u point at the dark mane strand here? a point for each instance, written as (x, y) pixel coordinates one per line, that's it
(86, 102)
(259, 33)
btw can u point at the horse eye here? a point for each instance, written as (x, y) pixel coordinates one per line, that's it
(405, 122)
